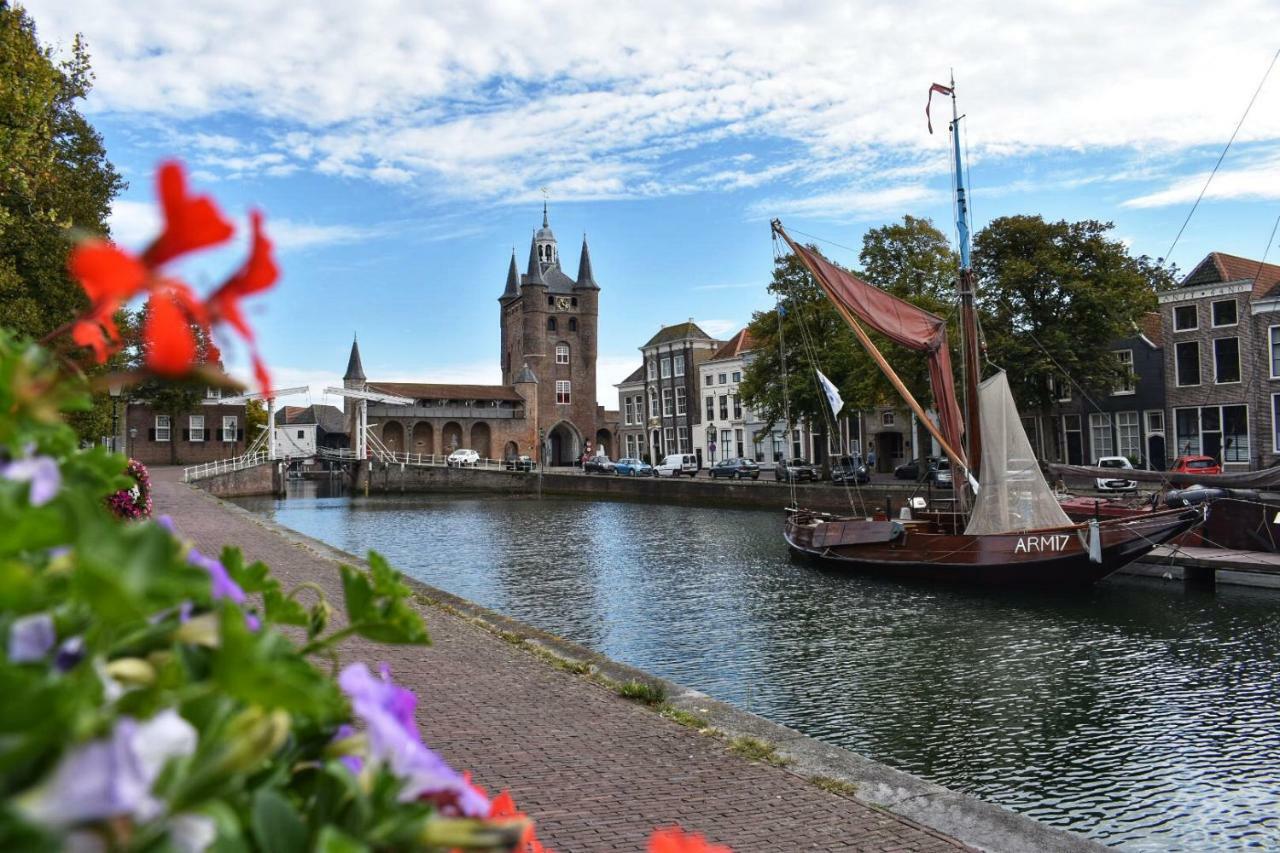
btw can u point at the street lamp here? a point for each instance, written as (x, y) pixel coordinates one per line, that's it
(133, 433)
(114, 388)
(711, 442)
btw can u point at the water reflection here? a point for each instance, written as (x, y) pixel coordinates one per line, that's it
(1137, 712)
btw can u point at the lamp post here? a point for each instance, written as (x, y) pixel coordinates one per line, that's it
(114, 388)
(133, 433)
(711, 442)
(542, 457)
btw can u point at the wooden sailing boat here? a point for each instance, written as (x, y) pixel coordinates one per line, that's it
(1015, 533)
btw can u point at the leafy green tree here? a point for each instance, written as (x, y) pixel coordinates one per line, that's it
(55, 184)
(1054, 296)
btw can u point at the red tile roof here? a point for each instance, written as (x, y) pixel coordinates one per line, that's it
(1220, 268)
(431, 391)
(735, 346)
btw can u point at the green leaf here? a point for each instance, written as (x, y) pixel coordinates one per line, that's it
(263, 668)
(333, 840)
(254, 577)
(357, 593)
(285, 611)
(277, 826)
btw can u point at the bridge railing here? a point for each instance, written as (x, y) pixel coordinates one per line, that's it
(224, 466)
(388, 456)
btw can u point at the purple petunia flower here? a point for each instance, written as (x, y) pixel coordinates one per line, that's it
(223, 585)
(31, 638)
(387, 712)
(354, 763)
(112, 776)
(40, 471)
(70, 653)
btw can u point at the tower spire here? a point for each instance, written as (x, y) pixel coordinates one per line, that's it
(513, 280)
(534, 275)
(355, 370)
(586, 280)
(545, 222)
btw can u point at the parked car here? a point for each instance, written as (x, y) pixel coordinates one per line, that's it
(735, 469)
(913, 471)
(633, 468)
(1116, 483)
(519, 463)
(940, 474)
(1195, 465)
(598, 465)
(850, 469)
(677, 464)
(788, 470)
(462, 457)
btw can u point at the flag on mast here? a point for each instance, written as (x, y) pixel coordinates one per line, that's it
(940, 89)
(833, 395)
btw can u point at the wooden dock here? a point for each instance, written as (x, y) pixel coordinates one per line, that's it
(1210, 565)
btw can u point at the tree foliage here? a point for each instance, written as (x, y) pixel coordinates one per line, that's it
(55, 183)
(1054, 296)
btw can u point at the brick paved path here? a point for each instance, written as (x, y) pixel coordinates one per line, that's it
(595, 771)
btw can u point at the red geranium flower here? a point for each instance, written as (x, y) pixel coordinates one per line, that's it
(673, 839)
(111, 276)
(503, 806)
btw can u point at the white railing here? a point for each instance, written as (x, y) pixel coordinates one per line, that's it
(224, 466)
(398, 457)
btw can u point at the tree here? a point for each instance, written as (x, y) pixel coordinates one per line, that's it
(1053, 297)
(55, 183)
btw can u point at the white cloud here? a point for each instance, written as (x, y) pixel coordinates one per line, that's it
(133, 223)
(853, 203)
(296, 236)
(494, 100)
(1258, 181)
(720, 328)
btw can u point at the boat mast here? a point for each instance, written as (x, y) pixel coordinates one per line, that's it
(968, 315)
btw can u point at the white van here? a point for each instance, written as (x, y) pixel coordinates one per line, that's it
(677, 464)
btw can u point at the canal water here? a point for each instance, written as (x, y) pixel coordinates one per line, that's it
(1137, 713)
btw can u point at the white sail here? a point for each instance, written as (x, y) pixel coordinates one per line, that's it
(1014, 495)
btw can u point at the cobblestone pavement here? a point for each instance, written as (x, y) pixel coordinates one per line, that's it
(595, 771)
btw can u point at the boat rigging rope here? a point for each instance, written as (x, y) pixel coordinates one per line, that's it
(1223, 155)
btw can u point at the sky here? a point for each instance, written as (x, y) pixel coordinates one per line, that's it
(401, 150)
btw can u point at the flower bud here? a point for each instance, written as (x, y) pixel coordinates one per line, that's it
(254, 735)
(132, 671)
(472, 834)
(199, 630)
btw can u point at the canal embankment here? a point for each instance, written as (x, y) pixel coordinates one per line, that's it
(529, 711)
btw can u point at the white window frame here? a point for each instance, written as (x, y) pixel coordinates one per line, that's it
(211, 393)
(724, 407)
(1275, 423)
(1273, 341)
(1153, 430)
(233, 422)
(1213, 320)
(665, 370)
(562, 353)
(711, 379)
(682, 439)
(678, 364)
(667, 407)
(194, 430)
(627, 408)
(669, 439)
(711, 407)
(888, 419)
(1101, 421)
(1122, 427)
(163, 423)
(737, 407)
(564, 392)
(1239, 361)
(737, 376)
(682, 405)
(1195, 310)
(653, 402)
(724, 379)
(1132, 384)
(653, 369)
(1177, 374)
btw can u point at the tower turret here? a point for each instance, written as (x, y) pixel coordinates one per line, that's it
(512, 290)
(586, 280)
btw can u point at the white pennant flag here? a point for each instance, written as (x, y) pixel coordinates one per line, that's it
(833, 396)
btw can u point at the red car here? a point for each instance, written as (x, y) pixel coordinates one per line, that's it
(1195, 465)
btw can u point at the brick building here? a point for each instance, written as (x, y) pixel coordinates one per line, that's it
(672, 366)
(1222, 361)
(214, 431)
(548, 329)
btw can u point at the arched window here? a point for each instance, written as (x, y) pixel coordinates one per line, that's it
(551, 301)
(551, 324)
(562, 353)
(573, 301)
(573, 324)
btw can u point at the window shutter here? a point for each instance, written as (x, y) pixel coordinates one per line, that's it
(186, 435)
(240, 435)
(151, 434)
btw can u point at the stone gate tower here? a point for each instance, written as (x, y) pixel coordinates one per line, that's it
(549, 323)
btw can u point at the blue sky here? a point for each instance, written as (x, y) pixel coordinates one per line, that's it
(400, 150)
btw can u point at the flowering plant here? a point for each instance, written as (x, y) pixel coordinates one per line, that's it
(135, 501)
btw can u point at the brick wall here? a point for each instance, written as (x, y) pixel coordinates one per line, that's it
(144, 442)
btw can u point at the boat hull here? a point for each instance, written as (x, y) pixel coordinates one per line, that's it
(924, 551)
